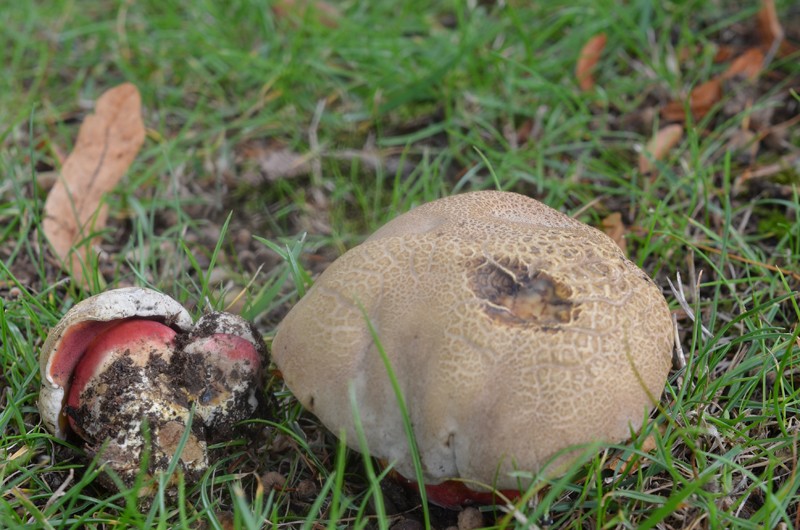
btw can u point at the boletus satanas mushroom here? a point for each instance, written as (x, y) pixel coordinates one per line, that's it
(132, 356)
(515, 333)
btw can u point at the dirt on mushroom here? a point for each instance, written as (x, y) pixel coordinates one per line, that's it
(131, 382)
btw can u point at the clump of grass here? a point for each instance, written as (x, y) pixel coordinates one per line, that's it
(401, 105)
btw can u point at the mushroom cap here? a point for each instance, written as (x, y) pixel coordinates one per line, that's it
(222, 362)
(515, 332)
(68, 340)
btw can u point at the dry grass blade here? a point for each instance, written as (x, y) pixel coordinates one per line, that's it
(680, 297)
(659, 146)
(107, 144)
(742, 259)
(587, 60)
(787, 163)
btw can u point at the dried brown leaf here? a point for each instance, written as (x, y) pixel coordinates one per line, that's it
(108, 142)
(523, 132)
(616, 230)
(770, 30)
(701, 99)
(327, 14)
(686, 53)
(659, 146)
(283, 163)
(705, 96)
(649, 445)
(275, 161)
(587, 60)
(769, 27)
(748, 65)
(673, 111)
(723, 53)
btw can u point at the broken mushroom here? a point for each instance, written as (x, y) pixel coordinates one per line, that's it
(516, 333)
(132, 357)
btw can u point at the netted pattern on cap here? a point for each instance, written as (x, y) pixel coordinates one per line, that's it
(515, 332)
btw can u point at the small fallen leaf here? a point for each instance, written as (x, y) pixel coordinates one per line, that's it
(108, 142)
(275, 161)
(769, 27)
(744, 143)
(327, 14)
(649, 444)
(587, 60)
(616, 230)
(523, 132)
(748, 65)
(723, 53)
(686, 53)
(705, 96)
(701, 99)
(284, 163)
(770, 31)
(659, 146)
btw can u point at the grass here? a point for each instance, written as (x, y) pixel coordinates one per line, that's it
(402, 104)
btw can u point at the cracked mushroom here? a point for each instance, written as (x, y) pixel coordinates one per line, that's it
(132, 356)
(516, 333)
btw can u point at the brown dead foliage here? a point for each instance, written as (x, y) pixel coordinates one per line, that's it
(587, 61)
(273, 160)
(771, 32)
(659, 146)
(701, 99)
(327, 14)
(616, 230)
(108, 142)
(747, 65)
(770, 29)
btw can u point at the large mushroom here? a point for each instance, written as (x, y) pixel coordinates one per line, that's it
(516, 333)
(123, 369)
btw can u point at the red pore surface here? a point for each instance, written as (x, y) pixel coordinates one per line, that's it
(136, 338)
(454, 494)
(77, 338)
(229, 346)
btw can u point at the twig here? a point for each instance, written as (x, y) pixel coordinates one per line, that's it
(518, 515)
(61, 489)
(245, 288)
(588, 206)
(772, 169)
(680, 357)
(735, 257)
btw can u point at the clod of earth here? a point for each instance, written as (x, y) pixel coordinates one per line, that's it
(132, 356)
(516, 334)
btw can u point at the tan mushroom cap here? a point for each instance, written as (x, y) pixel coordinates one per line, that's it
(514, 330)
